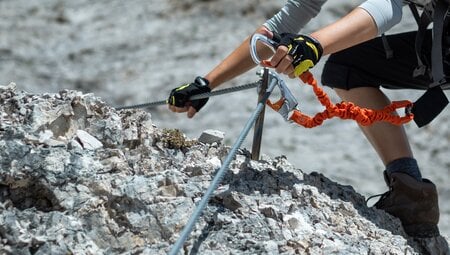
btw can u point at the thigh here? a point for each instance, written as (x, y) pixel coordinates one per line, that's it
(366, 64)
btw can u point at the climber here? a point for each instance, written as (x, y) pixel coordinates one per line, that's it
(361, 61)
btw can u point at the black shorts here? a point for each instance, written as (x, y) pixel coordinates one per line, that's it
(366, 64)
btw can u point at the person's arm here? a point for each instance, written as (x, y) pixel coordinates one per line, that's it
(365, 22)
(371, 18)
(237, 63)
(356, 27)
(294, 15)
(291, 18)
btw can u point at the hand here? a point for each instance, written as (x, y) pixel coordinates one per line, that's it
(296, 54)
(179, 97)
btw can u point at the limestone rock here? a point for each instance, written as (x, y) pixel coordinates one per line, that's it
(88, 141)
(78, 177)
(210, 136)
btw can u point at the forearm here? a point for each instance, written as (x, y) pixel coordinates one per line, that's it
(356, 27)
(237, 63)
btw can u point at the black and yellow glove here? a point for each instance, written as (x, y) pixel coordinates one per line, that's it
(180, 97)
(305, 51)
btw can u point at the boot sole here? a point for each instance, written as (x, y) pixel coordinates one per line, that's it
(424, 230)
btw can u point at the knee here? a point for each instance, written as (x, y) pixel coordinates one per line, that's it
(342, 93)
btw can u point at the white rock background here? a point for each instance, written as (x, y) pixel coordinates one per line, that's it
(136, 51)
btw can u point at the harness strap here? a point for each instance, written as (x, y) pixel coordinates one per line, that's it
(437, 16)
(433, 101)
(423, 21)
(387, 48)
(437, 61)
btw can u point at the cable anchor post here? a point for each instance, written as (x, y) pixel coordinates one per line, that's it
(259, 124)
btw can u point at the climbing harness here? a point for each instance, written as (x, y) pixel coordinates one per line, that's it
(287, 105)
(199, 96)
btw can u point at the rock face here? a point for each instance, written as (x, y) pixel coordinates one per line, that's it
(78, 177)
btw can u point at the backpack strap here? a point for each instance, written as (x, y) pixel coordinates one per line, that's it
(437, 60)
(387, 48)
(434, 100)
(423, 21)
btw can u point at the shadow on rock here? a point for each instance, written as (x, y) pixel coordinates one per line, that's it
(271, 181)
(266, 181)
(435, 245)
(28, 194)
(347, 193)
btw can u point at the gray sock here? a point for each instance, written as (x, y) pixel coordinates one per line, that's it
(405, 165)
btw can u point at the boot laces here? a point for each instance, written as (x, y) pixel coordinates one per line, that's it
(382, 196)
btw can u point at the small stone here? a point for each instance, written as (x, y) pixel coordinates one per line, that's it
(44, 136)
(88, 141)
(210, 136)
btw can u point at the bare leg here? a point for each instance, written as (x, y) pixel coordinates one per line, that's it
(414, 202)
(389, 141)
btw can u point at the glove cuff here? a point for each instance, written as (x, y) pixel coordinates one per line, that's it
(318, 46)
(201, 81)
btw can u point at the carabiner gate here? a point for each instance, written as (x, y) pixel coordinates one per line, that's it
(287, 103)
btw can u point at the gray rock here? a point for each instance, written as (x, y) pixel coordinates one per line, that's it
(111, 186)
(211, 136)
(88, 141)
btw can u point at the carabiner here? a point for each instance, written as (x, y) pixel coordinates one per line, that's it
(287, 103)
(266, 41)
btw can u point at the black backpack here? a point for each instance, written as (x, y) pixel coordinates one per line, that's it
(430, 104)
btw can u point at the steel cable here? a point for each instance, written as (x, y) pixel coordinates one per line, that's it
(195, 97)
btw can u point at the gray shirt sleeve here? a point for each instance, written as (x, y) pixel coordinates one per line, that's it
(385, 13)
(294, 15)
(297, 13)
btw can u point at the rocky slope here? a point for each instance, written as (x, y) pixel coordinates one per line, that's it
(136, 51)
(79, 177)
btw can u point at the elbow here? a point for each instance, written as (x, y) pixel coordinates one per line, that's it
(385, 13)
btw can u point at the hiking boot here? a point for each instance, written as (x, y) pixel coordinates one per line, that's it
(415, 203)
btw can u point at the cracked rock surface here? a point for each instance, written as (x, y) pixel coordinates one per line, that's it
(137, 51)
(79, 177)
